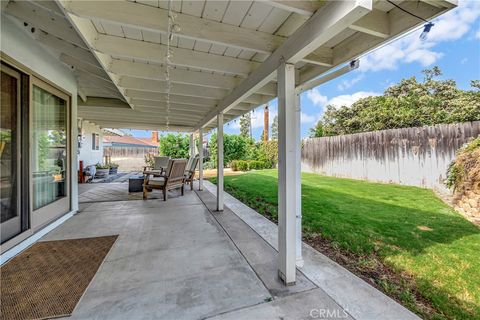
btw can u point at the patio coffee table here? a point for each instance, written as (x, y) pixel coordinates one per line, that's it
(135, 184)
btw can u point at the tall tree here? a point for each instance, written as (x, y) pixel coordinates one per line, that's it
(410, 103)
(275, 128)
(265, 123)
(245, 124)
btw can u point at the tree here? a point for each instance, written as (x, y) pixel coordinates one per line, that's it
(175, 145)
(245, 124)
(317, 131)
(262, 136)
(409, 103)
(235, 147)
(268, 152)
(275, 128)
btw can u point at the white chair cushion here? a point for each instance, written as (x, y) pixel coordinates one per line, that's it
(159, 181)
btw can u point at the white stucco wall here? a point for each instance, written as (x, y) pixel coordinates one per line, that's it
(21, 46)
(86, 153)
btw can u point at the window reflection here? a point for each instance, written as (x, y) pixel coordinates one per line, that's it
(49, 159)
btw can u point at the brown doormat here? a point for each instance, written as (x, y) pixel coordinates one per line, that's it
(49, 278)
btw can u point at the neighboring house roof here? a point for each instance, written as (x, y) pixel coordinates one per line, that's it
(113, 132)
(117, 141)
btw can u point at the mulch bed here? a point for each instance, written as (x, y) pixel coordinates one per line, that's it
(375, 272)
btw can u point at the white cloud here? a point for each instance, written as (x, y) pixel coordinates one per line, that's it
(320, 100)
(307, 118)
(349, 99)
(448, 27)
(346, 84)
(477, 35)
(316, 98)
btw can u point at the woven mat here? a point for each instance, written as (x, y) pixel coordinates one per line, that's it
(49, 278)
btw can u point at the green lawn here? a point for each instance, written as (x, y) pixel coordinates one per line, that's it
(409, 230)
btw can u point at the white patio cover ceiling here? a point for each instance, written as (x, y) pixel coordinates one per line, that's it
(224, 56)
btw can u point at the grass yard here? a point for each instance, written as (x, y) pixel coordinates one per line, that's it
(404, 240)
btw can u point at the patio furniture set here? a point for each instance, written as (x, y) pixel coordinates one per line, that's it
(167, 174)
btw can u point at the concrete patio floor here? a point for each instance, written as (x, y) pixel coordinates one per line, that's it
(181, 260)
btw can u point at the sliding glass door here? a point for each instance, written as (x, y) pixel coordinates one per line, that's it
(9, 153)
(50, 150)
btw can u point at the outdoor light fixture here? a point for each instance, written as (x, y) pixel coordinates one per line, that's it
(354, 64)
(426, 30)
(426, 27)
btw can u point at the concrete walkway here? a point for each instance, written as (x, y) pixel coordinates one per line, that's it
(181, 260)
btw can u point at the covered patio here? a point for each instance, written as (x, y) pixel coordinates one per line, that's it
(192, 66)
(181, 259)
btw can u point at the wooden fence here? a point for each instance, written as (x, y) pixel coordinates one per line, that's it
(410, 156)
(128, 152)
(128, 158)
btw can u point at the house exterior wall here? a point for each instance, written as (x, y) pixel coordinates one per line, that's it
(86, 153)
(28, 54)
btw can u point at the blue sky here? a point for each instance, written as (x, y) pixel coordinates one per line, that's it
(453, 44)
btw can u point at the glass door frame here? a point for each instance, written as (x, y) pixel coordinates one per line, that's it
(48, 213)
(13, 226)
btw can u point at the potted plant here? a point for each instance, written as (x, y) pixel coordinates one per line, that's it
(56, 173)
(102, 169)
(113, 168)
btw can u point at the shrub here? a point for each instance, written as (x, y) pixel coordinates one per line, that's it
(149, 160)
(256, 165)
(209, 165)
(247, 165)
(234, 165)
(464, 172)
(102, 166)
(242, 165)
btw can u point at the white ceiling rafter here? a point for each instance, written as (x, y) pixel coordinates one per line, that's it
(194, 28)
(89, 34)
(325, 24)
(212, 73)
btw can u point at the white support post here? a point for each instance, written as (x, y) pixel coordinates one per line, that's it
(200, 159)
(192, 146)
(220, 162)
(288, 141)
(296, 134)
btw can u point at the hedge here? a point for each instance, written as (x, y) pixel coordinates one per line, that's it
(247, 165)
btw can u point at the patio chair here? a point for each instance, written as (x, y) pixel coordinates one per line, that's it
(172, 178)
(190, 172)
(159, 165)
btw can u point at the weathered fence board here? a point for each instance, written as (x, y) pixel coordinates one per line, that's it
(410, 156)
(129, 158)
(125, 152)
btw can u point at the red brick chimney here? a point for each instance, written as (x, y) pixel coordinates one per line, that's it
(265, 123)
(154, 136)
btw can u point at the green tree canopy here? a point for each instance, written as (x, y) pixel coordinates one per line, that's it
(409, 103)
(275, 128)
(175, 145)
(317, 131)
(235, 147)
(245, 124)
